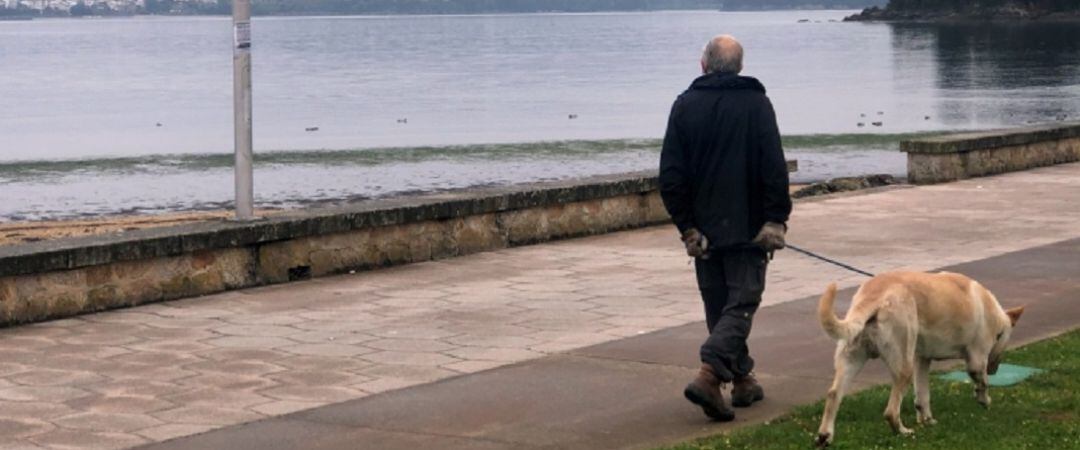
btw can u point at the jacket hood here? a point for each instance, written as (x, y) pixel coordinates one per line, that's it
(726, 81)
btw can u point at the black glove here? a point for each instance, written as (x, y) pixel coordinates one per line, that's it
(771, 236)
(697, 245)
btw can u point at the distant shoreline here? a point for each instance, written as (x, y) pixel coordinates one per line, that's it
(126, 14)
(999, 15)
(36, 16)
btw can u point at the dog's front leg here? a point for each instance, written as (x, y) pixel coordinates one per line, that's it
(976, 369)
(922, 392)
(849, 360)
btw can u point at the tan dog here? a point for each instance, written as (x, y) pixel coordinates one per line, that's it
(909, 319)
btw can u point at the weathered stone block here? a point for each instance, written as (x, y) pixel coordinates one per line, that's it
(476, 234)
(956, 157)
(527, 226)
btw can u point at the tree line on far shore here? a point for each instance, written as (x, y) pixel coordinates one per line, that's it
(965, 5)
(309, 7)
(278, 7)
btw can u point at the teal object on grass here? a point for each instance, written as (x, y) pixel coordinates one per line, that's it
(1007, 375)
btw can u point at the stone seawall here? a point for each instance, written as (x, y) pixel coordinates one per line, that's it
(959, 156)
(53, 279)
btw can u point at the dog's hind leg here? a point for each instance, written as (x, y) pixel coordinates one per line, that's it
(922, 392)
(976, 369)
(901, 373)
(897, 346)
(849, 360)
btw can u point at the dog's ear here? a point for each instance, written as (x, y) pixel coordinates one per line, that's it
(1014, 314)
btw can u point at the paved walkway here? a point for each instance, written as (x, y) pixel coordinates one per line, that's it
(625, 394)
(158, 372)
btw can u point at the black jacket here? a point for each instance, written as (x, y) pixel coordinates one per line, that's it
(722, 169)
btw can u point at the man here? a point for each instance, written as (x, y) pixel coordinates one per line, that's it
(724, 181)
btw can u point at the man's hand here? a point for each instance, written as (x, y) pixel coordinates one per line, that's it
(696, 243)
(771, 236)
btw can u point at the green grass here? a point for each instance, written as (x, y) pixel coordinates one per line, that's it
(1042, 412)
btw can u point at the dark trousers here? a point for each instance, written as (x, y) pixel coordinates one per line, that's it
(731, 284)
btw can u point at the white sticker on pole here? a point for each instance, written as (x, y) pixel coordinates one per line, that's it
(242, 35)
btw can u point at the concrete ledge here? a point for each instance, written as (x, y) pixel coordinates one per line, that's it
(958, 156)
(60, 278)
(53, 279)
(74, 253)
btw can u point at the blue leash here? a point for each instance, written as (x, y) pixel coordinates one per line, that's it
(830, 261)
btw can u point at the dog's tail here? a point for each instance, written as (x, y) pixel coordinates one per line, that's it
(841, 330)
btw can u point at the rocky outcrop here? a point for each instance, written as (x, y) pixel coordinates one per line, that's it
(970, 11)
(844, 184)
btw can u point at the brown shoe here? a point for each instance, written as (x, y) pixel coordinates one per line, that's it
(704, 391)
(746, 391)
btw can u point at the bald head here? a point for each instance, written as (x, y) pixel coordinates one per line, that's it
(722, 54)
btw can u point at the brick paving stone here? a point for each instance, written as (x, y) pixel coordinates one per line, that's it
(109, 422)
(493, 341)
(404, 331)
(474, 366)
(249, 342)
(327, 349)
(282, 407)
(217, 397)
(407, 372)
(493, 354)
(172, 430)
(408, 358)
(83, 439)
(322, 394)
(205, 415)
(33, 410)
(239, 367)
(381, 385)
(50, 377)
(22, 428)
(225, 381)
(257, 330)
(317, 378)
(148, 388)
(409, 345)
(265, 356)
(118, 404)
(56, 394)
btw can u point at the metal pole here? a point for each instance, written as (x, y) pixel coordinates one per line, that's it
(245, 192)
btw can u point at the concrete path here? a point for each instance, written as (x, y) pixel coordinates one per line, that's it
(157, 372)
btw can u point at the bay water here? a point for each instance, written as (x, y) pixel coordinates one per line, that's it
(134, 115)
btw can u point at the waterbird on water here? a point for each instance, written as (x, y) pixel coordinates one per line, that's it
(573, 116)
(860, 124)
(310, 129)
(878, 124)
(405, 120)
(159, 124)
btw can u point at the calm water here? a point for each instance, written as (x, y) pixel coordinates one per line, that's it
(82, 100)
